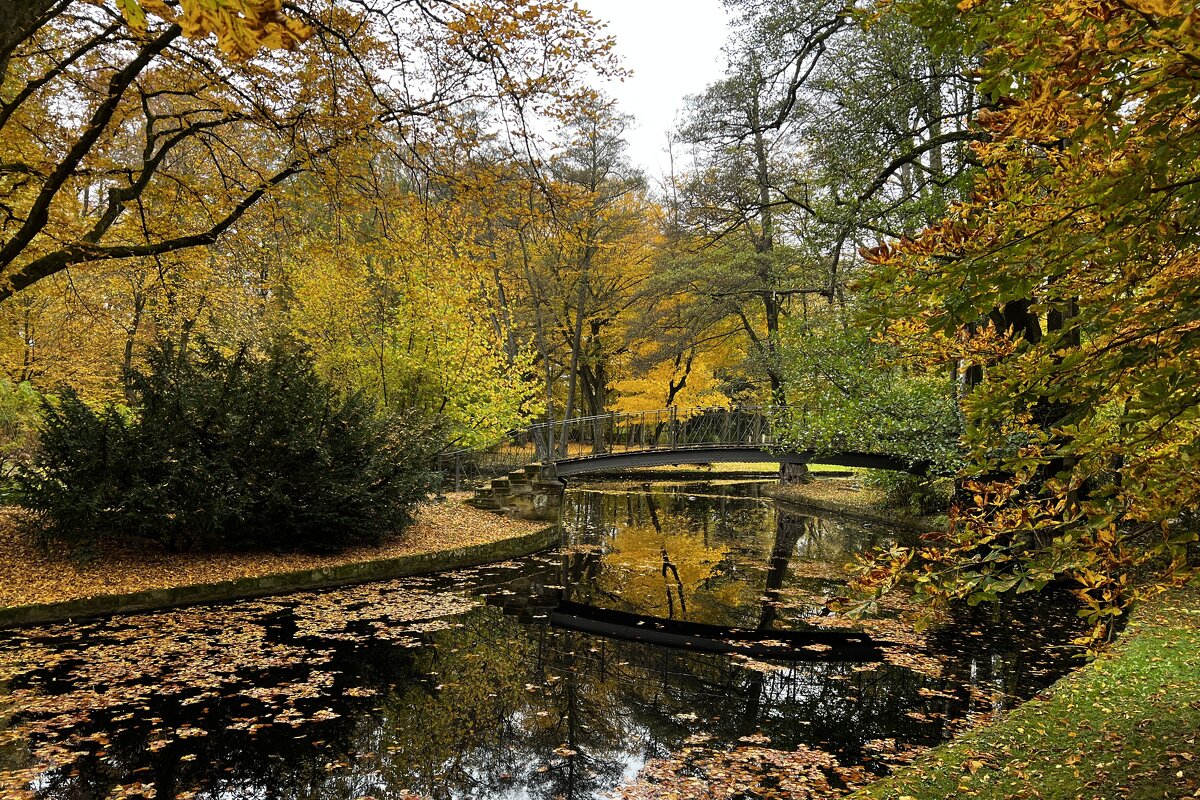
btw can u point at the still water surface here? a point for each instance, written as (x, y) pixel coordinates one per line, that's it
(678, 634)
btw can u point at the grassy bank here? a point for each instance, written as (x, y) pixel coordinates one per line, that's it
(31, 575)
(1125, 726)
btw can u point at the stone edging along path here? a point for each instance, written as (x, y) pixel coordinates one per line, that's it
(281, 583)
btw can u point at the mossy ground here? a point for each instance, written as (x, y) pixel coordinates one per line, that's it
(1124, 726)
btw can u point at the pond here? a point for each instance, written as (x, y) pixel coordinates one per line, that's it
(677, 639)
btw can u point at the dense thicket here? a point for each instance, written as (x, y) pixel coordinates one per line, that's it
(240, 450)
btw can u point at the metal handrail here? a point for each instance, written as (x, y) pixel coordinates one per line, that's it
(602, 434)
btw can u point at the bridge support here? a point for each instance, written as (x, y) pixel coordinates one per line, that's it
(794, 472)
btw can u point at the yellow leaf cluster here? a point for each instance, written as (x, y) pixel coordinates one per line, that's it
(242, 27)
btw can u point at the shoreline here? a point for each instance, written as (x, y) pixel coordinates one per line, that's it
(1122, 726)
(802, 496)
(223, 577)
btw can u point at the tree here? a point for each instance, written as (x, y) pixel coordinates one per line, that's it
(851, 392)
(389, 301)
(165, 145)
(571, 251)
(731, 195)
(824, 135)
(601, 250)
(241, 28)
(1066, 283)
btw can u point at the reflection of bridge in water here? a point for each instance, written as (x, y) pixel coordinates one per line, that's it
(605, 665)
(534, 600)
(785, 645)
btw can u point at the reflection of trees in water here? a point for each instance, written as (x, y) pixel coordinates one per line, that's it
(666, 552)
(1013, 649)
(826, 704)
(504, 706)
(716, 554)
(615, 704)
(876, 703)
(506, 715)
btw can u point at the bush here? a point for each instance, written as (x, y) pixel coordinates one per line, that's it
(912, 494)
(241, 451)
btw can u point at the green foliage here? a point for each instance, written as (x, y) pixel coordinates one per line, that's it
(249, 450)
(20, 414)
(915, 495)
(846, 394)
(1064, 290)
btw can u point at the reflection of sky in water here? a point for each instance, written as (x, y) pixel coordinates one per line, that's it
(455, 687)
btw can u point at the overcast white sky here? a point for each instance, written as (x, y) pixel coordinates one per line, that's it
(674, 49)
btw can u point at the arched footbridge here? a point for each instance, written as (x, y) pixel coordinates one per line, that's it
(549, 451)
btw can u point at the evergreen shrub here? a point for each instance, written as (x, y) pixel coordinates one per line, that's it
(228, 451)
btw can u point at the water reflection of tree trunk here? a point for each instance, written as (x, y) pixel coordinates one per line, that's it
(572, 733)
(788, 530)
(579, 570)
(668, 566)
(652, 507)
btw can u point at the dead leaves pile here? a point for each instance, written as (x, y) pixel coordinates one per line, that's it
(29, 575)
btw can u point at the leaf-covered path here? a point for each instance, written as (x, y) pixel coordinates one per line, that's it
(30, 575)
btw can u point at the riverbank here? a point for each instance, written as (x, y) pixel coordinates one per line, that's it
(38, 586)
(1125, 726)
(849, 497)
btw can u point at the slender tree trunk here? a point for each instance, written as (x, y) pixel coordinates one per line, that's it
(576, 346)
(139, 305)
(765, 246)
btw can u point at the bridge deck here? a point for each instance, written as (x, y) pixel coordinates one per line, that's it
(654, 438)
(707, 454)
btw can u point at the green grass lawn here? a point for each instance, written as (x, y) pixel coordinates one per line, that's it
(1124, 726)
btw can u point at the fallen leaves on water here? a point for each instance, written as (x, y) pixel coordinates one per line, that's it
(70, 684)
(748, 772)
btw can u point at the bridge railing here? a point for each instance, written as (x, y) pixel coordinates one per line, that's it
(618, 432)
(670, 429)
